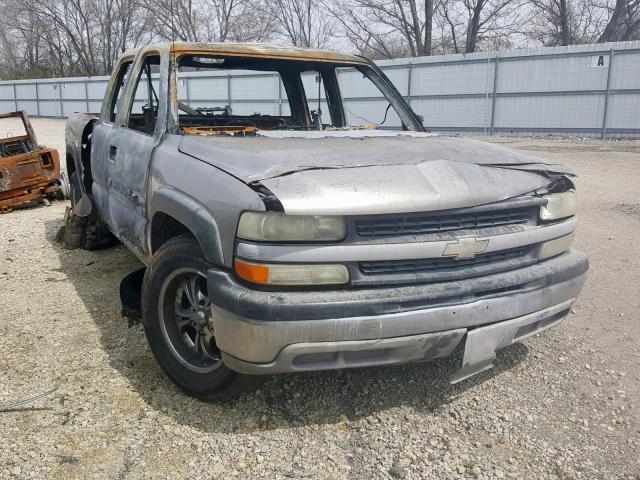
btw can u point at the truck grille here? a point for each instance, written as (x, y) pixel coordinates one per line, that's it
(429, 223)
(443, 264)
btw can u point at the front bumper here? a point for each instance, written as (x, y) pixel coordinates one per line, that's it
(265, 332)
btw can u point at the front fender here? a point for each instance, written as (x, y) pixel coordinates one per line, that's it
(192, 215)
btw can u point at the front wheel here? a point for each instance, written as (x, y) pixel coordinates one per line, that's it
(179, 324)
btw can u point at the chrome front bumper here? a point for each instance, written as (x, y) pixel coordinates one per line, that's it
(501, 317)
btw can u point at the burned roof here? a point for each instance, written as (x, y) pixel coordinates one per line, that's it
(258, 50)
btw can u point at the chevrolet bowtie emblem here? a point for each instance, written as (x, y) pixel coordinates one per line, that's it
(465, 247)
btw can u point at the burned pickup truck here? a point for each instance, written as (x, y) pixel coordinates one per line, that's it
(301, 235)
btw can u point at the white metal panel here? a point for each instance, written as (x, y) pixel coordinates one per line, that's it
(28, 106)
(625, 71)
(72, 90)
(567, 111)
(399, 77)
(550, 74)
(71, 107)
(95, 107)
(624, 111)
(454, 113)
(6, 92)
(263, 87)
(27, 91)
(50, 109)
(97, 89)
(207, 88)
(47, 90)
(452, 79)
(353, 85)
(7, 106)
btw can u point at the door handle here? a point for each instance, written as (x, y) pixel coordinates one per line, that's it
(112, 152)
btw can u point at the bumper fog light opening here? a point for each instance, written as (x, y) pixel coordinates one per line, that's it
(555, 247)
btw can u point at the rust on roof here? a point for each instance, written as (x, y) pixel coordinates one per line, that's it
(259, 50)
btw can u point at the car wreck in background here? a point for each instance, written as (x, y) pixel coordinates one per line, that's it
(310, 237)
(28, 172)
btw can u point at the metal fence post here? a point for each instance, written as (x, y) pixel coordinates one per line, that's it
(86, 95)
(15, 97)
(493, 99)
(409, 81)
(277, 77)
(60, 98)
(37, 100)
(229, 90)
(603, 133)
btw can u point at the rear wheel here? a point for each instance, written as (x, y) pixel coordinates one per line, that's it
(179, 325)
(88, 233)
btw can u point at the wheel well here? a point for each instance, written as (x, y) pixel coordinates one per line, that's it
(85, 155)
(71, 166)
(85, 158)
(163, 228)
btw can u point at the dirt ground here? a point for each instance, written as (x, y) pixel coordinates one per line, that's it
(563, 404)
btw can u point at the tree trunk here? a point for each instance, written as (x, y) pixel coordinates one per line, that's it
(428, 26)
(565, 28)
(474, 27)
(609, 33)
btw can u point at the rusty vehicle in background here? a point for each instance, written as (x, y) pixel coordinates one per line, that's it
(28, 172)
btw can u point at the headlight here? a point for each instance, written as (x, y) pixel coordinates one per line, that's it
(278, 227)
(555, 247)
(559, 205)
(291, 274)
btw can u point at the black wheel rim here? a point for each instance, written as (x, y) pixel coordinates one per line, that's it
(187, 322)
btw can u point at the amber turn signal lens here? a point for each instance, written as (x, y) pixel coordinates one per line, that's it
(291, 274)
(252, 272)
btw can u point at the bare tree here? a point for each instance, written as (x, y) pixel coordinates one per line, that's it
(468, 24)
(558, 16)
(565, 22)
(207, 20)
(72, 37)
(624, 21)
(302, 23)
(387, 28)
(175, 19)
(237, 20)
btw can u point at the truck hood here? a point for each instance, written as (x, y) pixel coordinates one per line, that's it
(370, 172)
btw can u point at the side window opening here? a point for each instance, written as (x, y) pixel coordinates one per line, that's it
(143, 110)
(363, 105)
(121, 79)
(315, 91)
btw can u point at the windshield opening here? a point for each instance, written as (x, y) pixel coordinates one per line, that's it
(241, 96)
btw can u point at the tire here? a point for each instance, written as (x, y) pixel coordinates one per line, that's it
(88, 233)
(181, 337)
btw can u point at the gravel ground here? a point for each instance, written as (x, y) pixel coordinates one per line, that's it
(562, 405)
